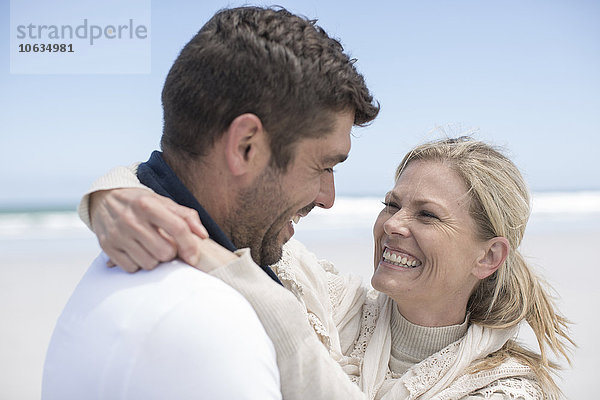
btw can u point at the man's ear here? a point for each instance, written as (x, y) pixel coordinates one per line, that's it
(496, 251)
(246, 145)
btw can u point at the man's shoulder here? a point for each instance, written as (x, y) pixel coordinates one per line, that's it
(164, 277)
(111, 297)
(175, 324)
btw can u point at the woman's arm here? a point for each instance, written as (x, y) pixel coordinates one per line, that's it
(137, 228)
(118, 177)
(306, 369)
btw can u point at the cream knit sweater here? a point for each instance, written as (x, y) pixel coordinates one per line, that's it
(360, 331)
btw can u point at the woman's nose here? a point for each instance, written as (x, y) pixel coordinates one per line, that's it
(397, 224)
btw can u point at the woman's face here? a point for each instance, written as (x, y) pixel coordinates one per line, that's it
(426, 248)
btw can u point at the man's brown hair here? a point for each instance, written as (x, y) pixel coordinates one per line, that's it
(269, 62)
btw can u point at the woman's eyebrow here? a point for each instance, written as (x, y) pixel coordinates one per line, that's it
(417, 201)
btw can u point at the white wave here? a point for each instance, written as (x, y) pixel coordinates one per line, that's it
(587, 202)
(348, 213)
(568, 211)
(41, 225)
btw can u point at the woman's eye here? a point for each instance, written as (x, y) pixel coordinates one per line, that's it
(428, 214)
(390, 205)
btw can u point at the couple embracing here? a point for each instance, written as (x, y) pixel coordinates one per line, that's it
(258, 109)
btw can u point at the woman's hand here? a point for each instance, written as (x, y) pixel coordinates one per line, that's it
(139, 229)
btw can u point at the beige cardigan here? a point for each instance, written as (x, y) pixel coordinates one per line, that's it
(349, 327)
(354, 325)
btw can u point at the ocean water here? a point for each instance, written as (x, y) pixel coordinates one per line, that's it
(567, 211)
(571, 211)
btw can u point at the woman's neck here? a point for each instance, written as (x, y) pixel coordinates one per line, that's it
(412, 343)
(433, 315)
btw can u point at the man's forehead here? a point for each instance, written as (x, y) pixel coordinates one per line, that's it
(339, 139)
(333, 147)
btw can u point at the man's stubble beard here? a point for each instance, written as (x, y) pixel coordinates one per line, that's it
(255, 223)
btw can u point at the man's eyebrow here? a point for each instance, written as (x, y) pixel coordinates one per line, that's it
(336, 159)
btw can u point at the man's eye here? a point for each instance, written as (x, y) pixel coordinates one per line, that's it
(330, 170)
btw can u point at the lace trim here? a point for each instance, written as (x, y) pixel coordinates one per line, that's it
(285, 273)
(283, 270)
(514, 388)
(320, 330)
(370, 313)
(335, 287)
(511, 378)
(328, 267)
(430, 370)
(523, 387)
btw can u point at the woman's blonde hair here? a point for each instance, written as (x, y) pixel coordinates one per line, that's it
(500, 206)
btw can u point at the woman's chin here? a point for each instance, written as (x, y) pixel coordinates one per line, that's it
(382, 282)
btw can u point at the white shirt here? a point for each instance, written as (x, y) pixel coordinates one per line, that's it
(173, 333)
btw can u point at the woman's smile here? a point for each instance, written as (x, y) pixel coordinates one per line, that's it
(399, 258)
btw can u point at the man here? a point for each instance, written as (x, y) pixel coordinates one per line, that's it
(258, 109)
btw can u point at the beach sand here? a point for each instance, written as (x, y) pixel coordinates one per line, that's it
(37, 277)
(36, 280)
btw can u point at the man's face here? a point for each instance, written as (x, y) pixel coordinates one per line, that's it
(266, 209)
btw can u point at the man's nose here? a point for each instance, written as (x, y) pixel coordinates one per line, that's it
(326, 196)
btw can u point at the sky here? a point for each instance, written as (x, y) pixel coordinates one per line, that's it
(520, 74)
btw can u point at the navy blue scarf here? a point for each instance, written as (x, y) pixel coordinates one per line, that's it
(158, 176)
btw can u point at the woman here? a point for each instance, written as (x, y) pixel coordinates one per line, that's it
(453, 288)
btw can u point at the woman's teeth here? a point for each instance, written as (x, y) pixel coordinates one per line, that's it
(296, 218)
(399, 260)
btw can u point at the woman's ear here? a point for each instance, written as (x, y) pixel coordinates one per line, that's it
(496, 251)
(246, 145)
